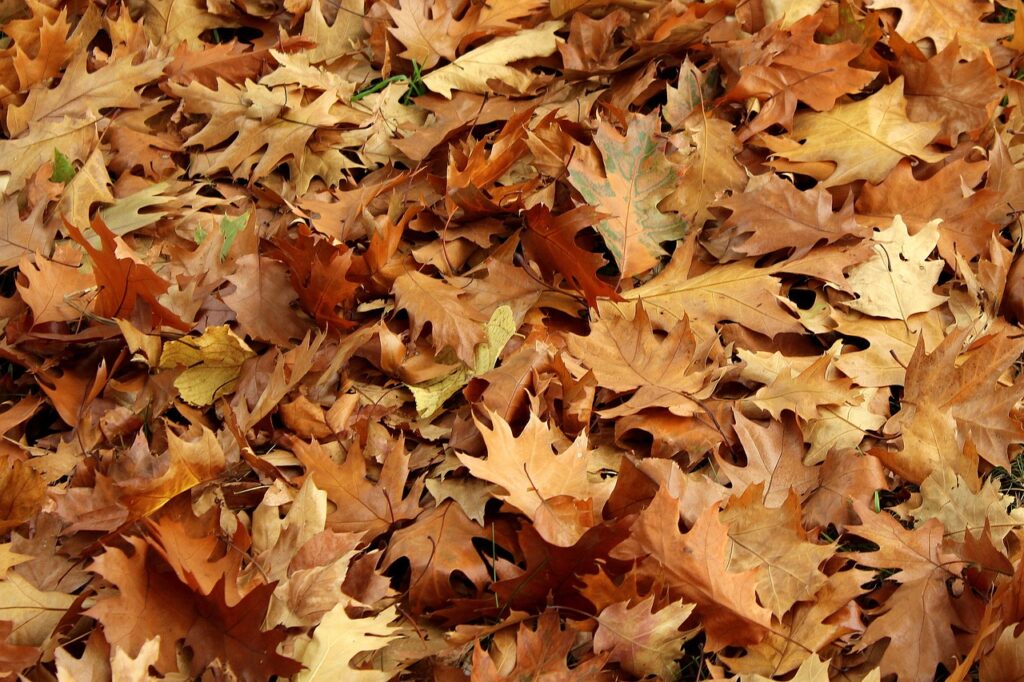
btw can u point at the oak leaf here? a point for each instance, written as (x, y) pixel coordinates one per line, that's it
(212, 361)
(675, 371)
(923, 566)
(739, 291)
(170, 22)
(437, 545)
(864, 139)
(151, 602)
(540, 653)
(773, 540)
(472, 71)
(944, 21)
(453, 321)
(969, 392)
(643, 641)
(551, 241)
(633, 178)
(262, 300)
(773, 215)
(253, 117)
(123, 282)
(552, 489)
(804, 394)
(22, 493)
(339, 639)
(962, 95)
(774, 454)
(692, 566)
(364, 506)
(81, 95)
(792, 68)
(962, 510)
(899, 279)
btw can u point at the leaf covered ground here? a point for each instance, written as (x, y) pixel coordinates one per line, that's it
(511, 339)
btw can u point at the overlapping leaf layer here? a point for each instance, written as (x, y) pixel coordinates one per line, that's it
(517, 339)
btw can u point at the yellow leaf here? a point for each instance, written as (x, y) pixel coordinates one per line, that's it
(899, 278)
(430, 396)
(864, 139)
(471, 71)
(32, 612)
(338, 639)
(213, 362)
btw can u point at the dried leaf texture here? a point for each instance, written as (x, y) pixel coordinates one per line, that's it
(465, 340)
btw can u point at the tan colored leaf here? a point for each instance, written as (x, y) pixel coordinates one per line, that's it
(634, 177)
(535, 477)
(864, 139)
(899, 279)
(642, 642)
(471, 71)
(339, 638)
(22, 493)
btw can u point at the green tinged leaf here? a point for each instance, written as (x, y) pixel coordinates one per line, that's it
(230, 227)
(499, 329)
(63, 171)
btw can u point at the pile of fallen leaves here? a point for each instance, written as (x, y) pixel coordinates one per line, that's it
(512, 339)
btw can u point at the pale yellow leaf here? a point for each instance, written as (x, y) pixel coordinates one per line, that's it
(471, 71)
(213, 362)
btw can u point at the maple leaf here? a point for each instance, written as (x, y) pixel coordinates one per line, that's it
(633, 177)
(189, 463)
(864, 139)
(898, 280)
(338, 639)
(212, 364)
(152, 603)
